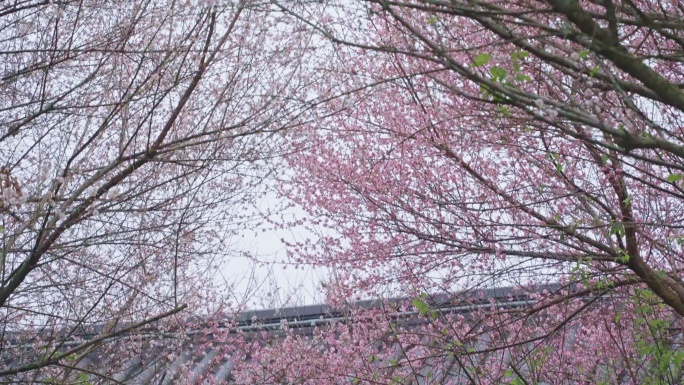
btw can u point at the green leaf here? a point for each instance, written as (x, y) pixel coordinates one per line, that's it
(497, 98)
(628, 200)
(624, 258)
(498, 73)
(584, 54)
(594, 71)
(517, 381)
(674, 177)
(432, 20)
(678, 359)
(658, 324)
(617, 228)
(481, 59)
(604, 159)
(421, 306)
(522, 78)
(523, 54)
(516, 65)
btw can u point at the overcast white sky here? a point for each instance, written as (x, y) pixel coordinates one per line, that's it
(267, 279)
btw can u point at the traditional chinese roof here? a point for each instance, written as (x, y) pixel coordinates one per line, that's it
(156, 354)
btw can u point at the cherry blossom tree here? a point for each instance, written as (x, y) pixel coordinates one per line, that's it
(131, 136)
(481, 143)
(452, 146)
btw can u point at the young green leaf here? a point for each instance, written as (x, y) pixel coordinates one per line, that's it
(498, 73)
(421, 306)
(481, 59)
(674, 177)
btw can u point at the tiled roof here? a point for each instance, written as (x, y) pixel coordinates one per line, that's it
(160, 355)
